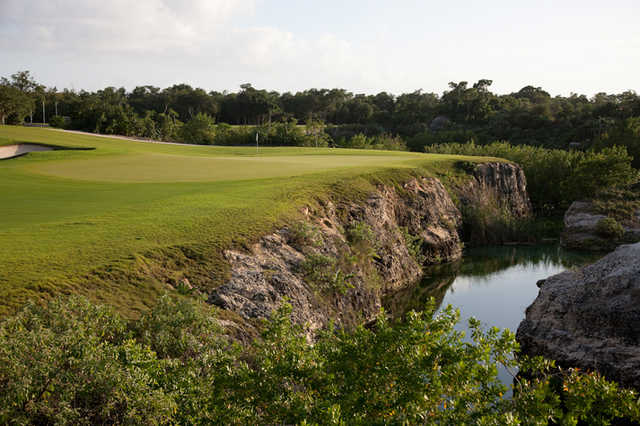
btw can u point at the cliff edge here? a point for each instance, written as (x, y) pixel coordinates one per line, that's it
(338, 262)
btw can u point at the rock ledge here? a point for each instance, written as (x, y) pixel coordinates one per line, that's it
(590, 318)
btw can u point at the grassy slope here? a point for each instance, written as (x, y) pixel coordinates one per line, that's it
(115, 222)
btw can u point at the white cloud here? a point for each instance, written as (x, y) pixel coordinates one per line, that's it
(202, 36)
(115, 25)
(282, 45)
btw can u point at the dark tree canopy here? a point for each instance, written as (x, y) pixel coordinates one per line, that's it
(465, 111)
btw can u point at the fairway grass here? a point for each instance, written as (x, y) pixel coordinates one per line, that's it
(119, 222)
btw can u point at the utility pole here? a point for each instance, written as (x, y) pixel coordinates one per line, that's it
(44, 120)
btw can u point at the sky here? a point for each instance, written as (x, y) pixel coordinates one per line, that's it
(397, 46)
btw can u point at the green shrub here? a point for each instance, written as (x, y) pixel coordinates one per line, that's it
(199, 130)
(74, 363)
(363, 245)
(301, 234)
(57, 121)
(622, 204)
(608, 227)
(414, 245)
(467, 166)
(324, 272)
(382, 141)
(360, 232)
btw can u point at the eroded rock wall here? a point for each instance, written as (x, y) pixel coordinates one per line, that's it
(504, 181)
(344, 256)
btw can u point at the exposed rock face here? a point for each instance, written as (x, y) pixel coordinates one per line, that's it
(581, 229)
(278, 265)
(590, 318)
(331, 273)
(507, 182)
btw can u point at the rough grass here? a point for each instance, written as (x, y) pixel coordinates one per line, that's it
(120, 222)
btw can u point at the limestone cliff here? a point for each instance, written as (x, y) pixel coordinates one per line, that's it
(590, 318)
(339, 261)
(504, 182)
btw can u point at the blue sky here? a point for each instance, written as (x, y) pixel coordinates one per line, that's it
(364, 46)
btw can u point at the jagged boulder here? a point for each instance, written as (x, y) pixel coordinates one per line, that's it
(590, 318)
(584, 230)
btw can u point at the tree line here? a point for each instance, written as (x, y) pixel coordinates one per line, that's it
(463, 112)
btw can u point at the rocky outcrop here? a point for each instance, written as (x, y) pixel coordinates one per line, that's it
(582, 230)
(505, 182)
(590, 318)
(492, 202)
(339, 261)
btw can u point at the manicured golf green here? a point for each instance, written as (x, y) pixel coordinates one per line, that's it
(117, 222)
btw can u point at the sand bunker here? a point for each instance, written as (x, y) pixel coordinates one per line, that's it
(11, 151)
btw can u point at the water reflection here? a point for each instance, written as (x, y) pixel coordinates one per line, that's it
(493, 284)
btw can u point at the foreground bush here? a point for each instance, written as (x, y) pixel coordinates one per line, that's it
(76, 363)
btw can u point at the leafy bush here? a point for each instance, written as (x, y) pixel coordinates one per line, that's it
(414, 245)
(622, 204)
(360, 232)
(429, 137)
(57, 121)
(199, 130)
(608, 227)
(324, 272)
(383, 141)
(301, 234)
(466, 166)
(75, 363)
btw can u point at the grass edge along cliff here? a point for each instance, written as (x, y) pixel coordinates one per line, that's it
(126, 272)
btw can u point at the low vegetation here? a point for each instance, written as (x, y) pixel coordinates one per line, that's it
(621, 204)
(556, 177)
(72, 362)
(414, 246)
(608, 227)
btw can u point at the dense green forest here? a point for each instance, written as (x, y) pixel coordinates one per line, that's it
(333, 116)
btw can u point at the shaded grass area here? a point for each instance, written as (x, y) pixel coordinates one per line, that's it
(65, 228)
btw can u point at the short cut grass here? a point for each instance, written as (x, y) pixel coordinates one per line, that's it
(119, 222)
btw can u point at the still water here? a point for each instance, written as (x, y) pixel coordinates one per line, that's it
(493, 284)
